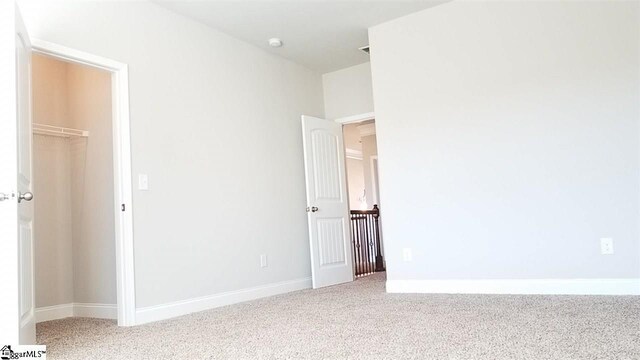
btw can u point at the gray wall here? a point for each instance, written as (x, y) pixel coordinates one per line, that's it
(508, 139)
(348, 91)
(215, 123)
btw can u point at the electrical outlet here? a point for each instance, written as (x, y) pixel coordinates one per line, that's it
(407, 255)
(606, 246)
(263, 260)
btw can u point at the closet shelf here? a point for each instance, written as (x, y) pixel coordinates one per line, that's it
(44, 129)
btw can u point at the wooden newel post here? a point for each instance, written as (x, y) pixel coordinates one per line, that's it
(379, 259)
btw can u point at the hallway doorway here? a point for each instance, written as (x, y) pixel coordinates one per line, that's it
(344, 225)
(361, 154)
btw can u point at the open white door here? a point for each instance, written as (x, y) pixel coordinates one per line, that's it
(17, 325)
(327, 202)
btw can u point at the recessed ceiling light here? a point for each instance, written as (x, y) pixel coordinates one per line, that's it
(275, 42)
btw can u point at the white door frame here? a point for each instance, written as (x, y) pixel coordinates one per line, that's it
(356, 118)
(123, 202)
(374, 178)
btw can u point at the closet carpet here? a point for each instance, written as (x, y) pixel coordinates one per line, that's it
(360, 321)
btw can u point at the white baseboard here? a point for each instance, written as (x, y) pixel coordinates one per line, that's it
(517, 287)
(183, 307)
(55, 312)
(100, 311)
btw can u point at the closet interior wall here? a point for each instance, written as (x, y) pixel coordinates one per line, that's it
(73, 184)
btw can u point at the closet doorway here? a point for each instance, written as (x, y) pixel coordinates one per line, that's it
(83, 240)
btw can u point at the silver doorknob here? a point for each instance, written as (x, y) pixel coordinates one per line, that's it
(28, 196)
(312, 209)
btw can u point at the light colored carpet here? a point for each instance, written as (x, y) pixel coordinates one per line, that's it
(360, 321)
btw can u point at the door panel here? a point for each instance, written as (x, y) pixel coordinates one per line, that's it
(27, 305)
(16, 217)
(25, 208)
(26, 249)
(24, 185)
(330, 244)
(328, 208)
(325, 166)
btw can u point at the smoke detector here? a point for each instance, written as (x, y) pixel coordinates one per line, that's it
(275, 42)
(364, 49)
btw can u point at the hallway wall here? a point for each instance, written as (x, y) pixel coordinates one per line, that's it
(369, 149)
(355, 183)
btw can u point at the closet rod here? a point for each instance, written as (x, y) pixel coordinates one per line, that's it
(44, 129)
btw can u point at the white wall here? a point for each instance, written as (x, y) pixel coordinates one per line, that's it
(215, 123)
(94, 262)
(351, 136)
(508, 140)
(49, 91)
(369, 149)
(348, 91)
(52, 234)
(354, 164)
(355, 183)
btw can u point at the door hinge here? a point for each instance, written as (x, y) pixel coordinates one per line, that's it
(122, 207)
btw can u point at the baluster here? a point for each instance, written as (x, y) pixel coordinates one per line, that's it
(372, 242)
(365, 237)
(363, 244)
(354, 222)
(376, 229)
(360, 264)
(360, 269)
(353, 245)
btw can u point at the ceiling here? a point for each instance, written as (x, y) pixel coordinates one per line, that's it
(352, 136)
(321, 35)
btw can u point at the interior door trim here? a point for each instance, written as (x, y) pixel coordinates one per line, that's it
(123, 198)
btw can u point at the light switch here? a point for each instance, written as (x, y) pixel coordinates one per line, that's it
(143, 182)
